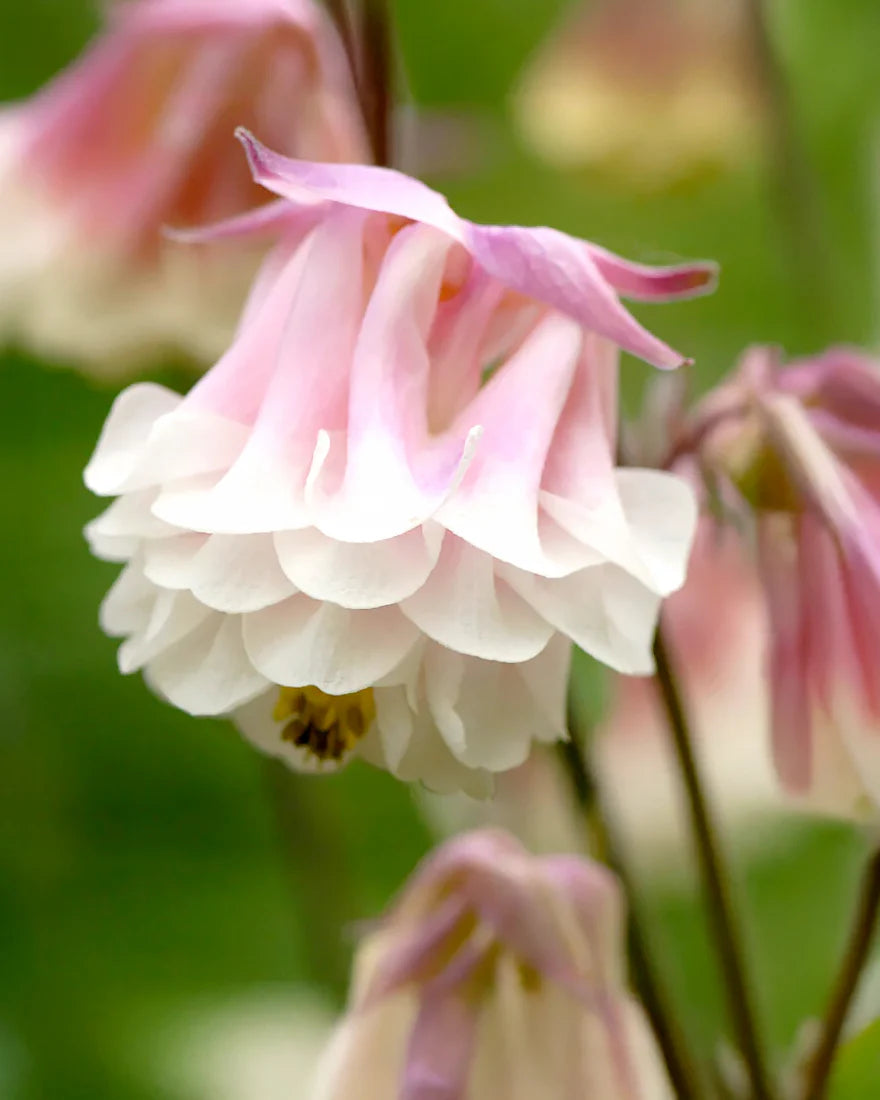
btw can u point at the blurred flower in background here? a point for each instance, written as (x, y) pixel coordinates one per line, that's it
(138, 134)
(374, 526)
(265, 1046)
(717, 630)
(650, 93)
(800, 447)
(495, 974)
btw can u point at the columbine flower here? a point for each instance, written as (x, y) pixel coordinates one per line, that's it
(652, 93)
(717, 630)
(802, 446)
(379, 521)
(496, 975)
(138, 134)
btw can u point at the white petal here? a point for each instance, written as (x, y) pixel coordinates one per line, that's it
(463, 605)
(395, 724)
(301, 642)
(174, 615)
(359, 575)
(117, 532)
(662, 511)
(129, 603)
(238, 573)
(603, 609)
(495, 713)
(167, 562)
(125, 433)
(208, 672)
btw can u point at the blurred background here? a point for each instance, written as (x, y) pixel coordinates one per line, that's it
(177, 915)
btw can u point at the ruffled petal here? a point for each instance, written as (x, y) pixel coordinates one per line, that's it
(359, 575)
(208, 671)
(607, 612)
(463, 605)
(301, 643)
(540, 263)
(125, 433)
(238, 573)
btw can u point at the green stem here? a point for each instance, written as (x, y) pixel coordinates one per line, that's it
(715, 882)
(854, 959)
(679, 1064)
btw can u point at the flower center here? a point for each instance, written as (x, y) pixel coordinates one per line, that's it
(327, 727)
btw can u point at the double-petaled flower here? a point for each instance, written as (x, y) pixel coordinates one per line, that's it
(138, 134)
(378, 523)
(495, 975)
(801, 447)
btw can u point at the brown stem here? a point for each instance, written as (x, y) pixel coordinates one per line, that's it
(377, 77)
(715, 882)
(851, 970)
(679, 1064)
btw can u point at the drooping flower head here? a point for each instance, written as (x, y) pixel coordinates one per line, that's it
(800, 445)
(496, 975)
(138, 134)
(378, 522)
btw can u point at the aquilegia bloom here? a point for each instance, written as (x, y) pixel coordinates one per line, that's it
(496, 976)
(379, 521)
(138, 134)
(801, 445)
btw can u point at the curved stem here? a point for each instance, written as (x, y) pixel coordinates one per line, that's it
(679, 1064)
(715, 883)
(853, 965)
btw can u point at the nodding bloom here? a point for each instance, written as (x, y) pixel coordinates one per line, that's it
(378, 523)
(801, 446)
(716, 627)
(496, 976)
(139, 134)
(649, 93)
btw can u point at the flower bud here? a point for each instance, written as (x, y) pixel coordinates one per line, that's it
(496, 975)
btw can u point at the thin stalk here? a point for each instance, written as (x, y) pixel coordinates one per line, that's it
(715, 883)
(854, 959)
(679, 1064)
(377, 77)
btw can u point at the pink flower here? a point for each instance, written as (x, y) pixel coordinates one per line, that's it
(496, 976)
(138, 134)
(716, 626)
(801, 444)
(379, 521)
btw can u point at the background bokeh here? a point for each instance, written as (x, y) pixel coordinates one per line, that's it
(154, 869)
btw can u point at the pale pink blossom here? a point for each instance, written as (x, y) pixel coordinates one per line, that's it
(496, 976)
(138, 134)
(648, 93)
(377, 524)
(716, 627)
(801, 445)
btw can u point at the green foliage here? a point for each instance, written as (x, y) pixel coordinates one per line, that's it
(140, 865)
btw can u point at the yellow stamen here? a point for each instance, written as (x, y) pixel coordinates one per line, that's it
(327, 727)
